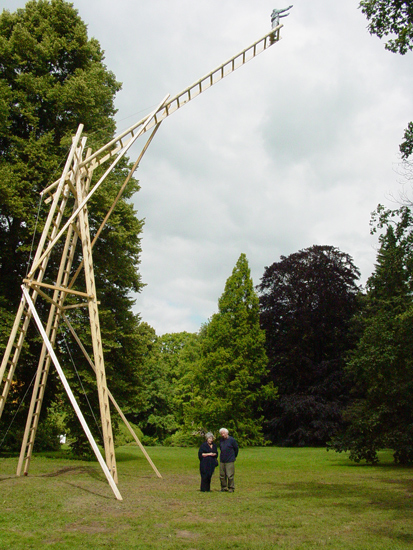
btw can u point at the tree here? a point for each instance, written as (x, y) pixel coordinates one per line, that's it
(230, 382)
(387, 313)
(307, 300)
(167, 379)
(53, 77)
(381, 415)
(391, 17)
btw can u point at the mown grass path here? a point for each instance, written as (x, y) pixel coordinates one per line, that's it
(284, 499)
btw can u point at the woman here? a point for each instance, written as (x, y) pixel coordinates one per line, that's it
(207, 455)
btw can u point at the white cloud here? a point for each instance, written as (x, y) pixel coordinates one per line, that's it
(294, 149)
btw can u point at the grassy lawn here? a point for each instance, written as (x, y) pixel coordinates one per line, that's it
(284, 498)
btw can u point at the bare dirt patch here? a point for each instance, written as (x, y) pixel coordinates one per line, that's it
(89, 528)
(182, 534)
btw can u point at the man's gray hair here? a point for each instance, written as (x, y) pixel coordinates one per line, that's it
(223, 430)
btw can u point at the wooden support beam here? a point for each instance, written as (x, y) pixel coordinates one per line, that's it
(39, 256)
(37, 284)
(119, 410)
(71, 396)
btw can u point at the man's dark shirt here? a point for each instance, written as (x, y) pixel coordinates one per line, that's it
(229, 449)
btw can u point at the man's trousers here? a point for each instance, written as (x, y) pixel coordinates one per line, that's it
(226, 475)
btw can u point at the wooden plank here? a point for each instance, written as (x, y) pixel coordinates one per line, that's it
(51, 332)
(95, 332)
(35, 284)
(39, 256)
(75, 306)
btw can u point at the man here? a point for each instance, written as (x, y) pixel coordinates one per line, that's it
(229, 452)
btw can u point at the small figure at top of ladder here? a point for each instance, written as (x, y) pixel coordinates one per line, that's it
(276, 14)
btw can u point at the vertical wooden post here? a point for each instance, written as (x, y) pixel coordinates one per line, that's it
(95, 329)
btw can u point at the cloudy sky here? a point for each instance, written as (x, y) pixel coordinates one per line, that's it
(295, 148)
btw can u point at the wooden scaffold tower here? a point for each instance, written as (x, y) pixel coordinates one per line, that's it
(68, 223)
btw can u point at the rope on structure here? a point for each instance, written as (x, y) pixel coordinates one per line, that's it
(81, 384)
(29, 261)
(18, 409)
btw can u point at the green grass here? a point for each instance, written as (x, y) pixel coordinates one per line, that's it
(284, 499)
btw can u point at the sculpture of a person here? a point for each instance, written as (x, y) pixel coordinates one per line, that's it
(276, 14)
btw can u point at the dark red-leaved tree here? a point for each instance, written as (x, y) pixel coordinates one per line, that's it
(307, 300)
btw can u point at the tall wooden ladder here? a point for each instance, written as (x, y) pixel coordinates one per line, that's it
(76, 183)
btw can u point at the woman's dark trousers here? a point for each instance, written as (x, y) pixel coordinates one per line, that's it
(206, 482)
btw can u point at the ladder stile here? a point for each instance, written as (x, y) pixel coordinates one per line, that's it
(51, 332)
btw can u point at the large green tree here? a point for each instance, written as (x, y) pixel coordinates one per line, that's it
(230, 383)
(307, 300)
(53, 77)
(381, 366)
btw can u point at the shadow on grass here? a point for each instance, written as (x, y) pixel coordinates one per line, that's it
(84, 489)
(386, 532)
(127, 455)
(350, 495)
(360, 501)
(89, 470)
(7, 478)
(386, 461)
(9, 454)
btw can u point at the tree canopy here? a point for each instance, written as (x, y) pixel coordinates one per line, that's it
(391, 17)
(52, 78)
(307, 300)
(168, 380)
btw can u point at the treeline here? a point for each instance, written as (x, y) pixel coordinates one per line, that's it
(194, 383)
(269, 365)
(338, 369)
(307, 357)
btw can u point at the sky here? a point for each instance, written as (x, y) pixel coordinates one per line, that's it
(295, 148)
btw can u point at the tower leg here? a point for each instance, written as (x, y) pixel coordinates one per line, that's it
(108, 441)
(71, 396)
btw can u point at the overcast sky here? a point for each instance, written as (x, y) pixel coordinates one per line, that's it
(295, 148)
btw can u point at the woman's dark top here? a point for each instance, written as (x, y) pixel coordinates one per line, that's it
(207, 464)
